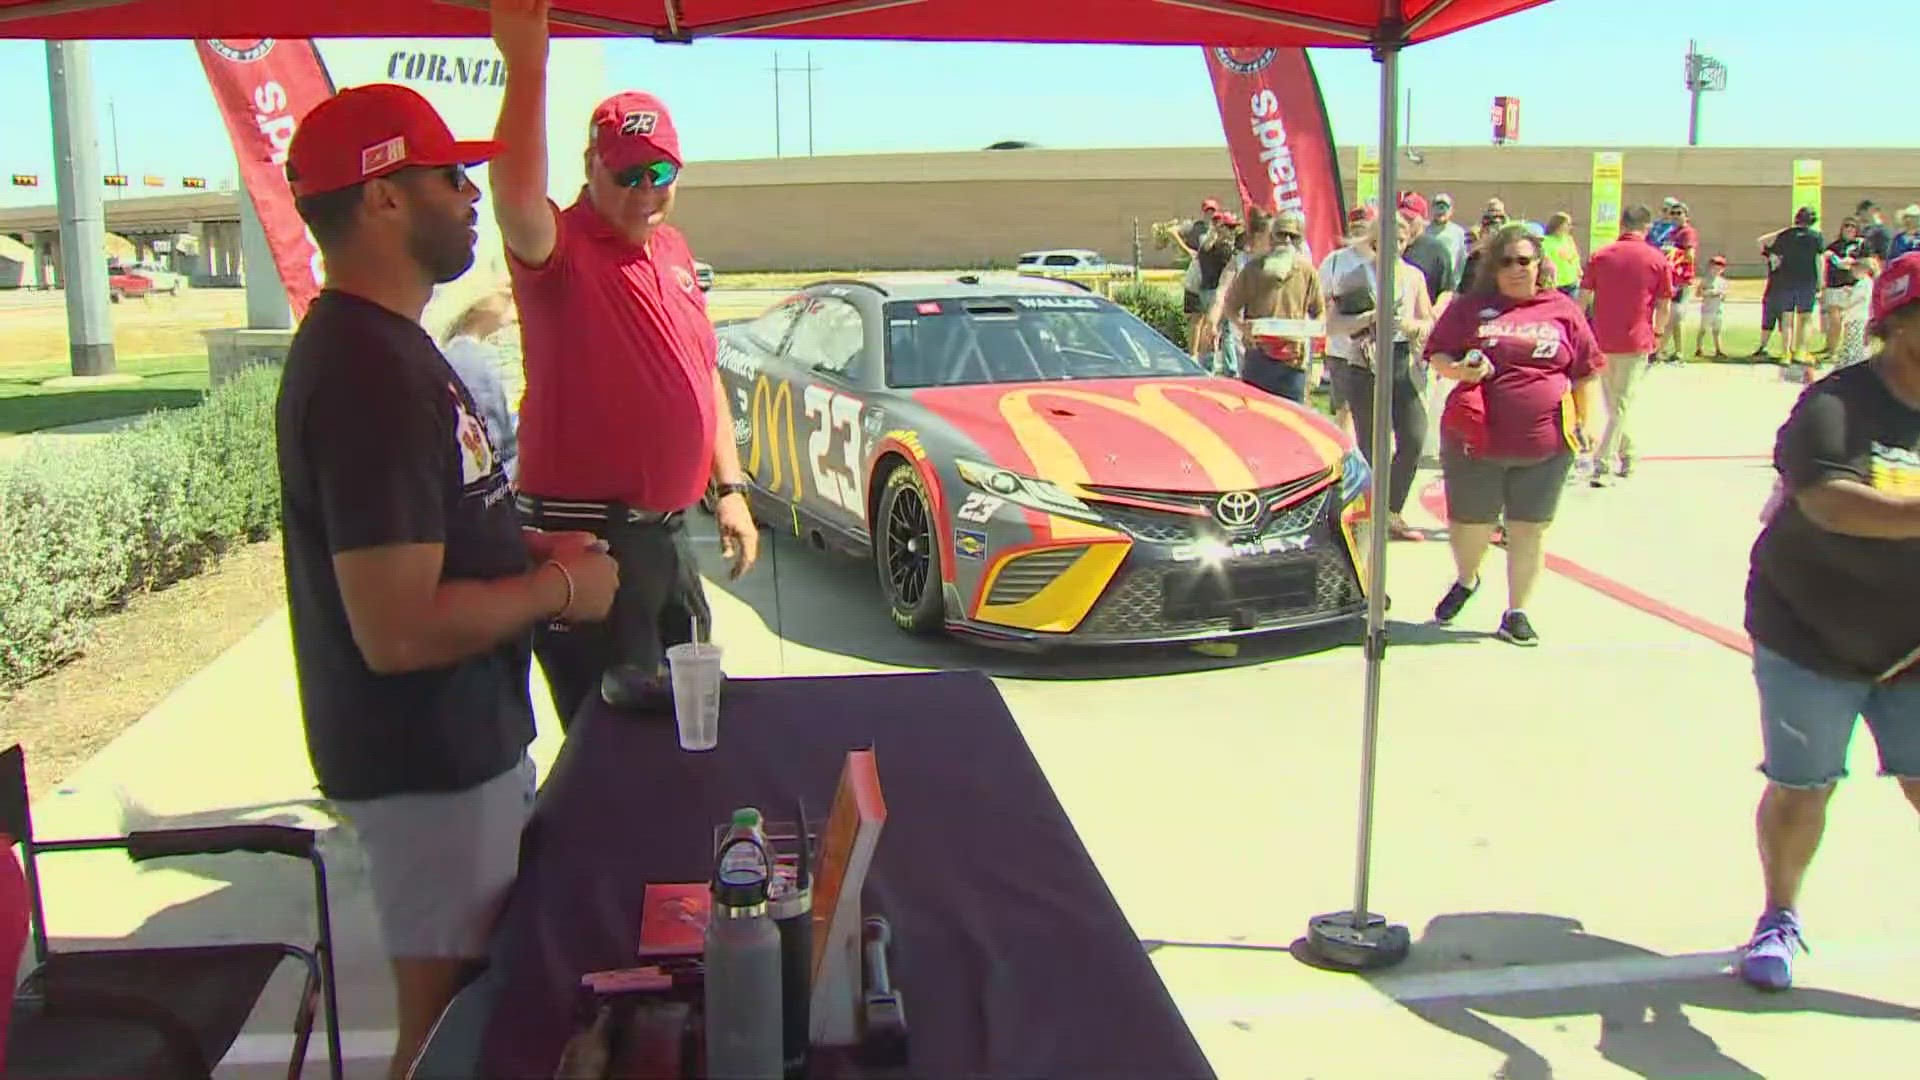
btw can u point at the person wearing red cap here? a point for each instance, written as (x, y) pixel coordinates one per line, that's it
(624, 423)
(412, 589)
(1832, 593)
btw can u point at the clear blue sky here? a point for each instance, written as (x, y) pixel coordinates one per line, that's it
(1589, 72)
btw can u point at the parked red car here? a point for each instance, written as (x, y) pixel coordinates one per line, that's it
(121, 284)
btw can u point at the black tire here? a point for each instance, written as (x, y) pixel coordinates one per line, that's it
(113, 296)
(906, 554)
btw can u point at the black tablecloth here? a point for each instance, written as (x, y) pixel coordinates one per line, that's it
(1012, 957)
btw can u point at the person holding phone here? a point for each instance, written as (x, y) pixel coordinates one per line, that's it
(1526, 363)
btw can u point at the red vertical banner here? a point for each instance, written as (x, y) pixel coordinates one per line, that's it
(1277, 131)
(263, 87)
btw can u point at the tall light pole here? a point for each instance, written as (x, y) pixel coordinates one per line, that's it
(76, 185)
(113, 124)
(1704, 73)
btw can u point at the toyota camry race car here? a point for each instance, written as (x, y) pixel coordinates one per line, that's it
(1028, 462)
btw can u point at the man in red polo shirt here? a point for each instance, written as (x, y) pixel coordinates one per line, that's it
(1630, 285)
(624, 422)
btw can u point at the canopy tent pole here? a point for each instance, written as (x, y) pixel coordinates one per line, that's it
(1358, 939)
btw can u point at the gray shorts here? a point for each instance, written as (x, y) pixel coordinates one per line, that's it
(440, 863)
(1480, 490)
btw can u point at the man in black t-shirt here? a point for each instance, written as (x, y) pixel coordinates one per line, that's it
(1873, 228)
(1793, 282)
(1837, 271)
(411, 589)
(1833, 604)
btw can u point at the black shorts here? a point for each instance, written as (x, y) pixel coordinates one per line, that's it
(661, 602)
(1785, 299)
(1191, 304)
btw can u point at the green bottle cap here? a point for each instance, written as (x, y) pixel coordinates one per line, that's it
(747, 817)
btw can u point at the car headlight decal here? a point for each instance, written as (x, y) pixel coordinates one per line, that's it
(1354, 476)
(1028, 491)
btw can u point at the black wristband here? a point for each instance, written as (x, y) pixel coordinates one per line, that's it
(721, 491)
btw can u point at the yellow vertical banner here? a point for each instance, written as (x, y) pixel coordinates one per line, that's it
(1807, 181)
(1609, 188)
(1368, 189)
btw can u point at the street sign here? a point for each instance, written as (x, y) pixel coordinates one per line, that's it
(21, 179)
(116, 180)
(193, 181)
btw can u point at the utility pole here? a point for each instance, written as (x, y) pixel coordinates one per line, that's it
(83, 230)
(777, 72)
(113, 122)
(1694, 91)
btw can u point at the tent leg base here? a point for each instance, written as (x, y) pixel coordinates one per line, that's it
(1335, 941)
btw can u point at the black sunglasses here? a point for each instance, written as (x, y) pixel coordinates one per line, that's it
(658, 173)
(1518, 260)
(1286, 236)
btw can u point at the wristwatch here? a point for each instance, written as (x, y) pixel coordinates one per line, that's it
(721, 491)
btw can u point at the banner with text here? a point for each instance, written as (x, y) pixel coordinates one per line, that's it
(263, 87)
(1367, 192)
(1808, 178)
(1278, 134)
(1609, 188)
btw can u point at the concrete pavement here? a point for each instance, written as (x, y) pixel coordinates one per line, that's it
(1566, 830)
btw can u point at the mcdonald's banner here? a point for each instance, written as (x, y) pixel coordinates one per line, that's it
(1609, 188)
(263, 87)
(1277, 130)
(1367, 191)
(1808, 179)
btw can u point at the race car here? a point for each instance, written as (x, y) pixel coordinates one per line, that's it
(1028, 463)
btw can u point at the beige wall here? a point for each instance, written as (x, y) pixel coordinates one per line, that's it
(981, 208)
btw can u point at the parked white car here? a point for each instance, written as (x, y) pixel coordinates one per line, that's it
(1066, 261)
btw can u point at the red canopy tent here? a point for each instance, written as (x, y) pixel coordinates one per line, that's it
(1354, 938)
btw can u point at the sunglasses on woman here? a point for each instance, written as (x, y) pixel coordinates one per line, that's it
(1511, 261)
(657, 173)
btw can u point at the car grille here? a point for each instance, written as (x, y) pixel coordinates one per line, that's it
(1153, 597)
(1023, 576)
(1167, 527)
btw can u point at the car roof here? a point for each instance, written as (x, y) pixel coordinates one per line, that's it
(957, 287)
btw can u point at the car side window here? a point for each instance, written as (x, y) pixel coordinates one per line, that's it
(1063, 260)
(769, 331)
(829, 337)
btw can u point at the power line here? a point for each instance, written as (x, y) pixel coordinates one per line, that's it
(778, 71)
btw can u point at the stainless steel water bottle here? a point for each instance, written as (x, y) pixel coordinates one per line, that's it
(744, 1018)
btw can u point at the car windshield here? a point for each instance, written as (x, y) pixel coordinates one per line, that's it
(1008, 339)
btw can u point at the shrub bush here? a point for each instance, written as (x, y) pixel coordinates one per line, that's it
(83, 529)
(1158, 307)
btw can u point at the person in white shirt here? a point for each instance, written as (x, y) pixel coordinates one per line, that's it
(1357, 252)
(1713, 317)
(473, 351)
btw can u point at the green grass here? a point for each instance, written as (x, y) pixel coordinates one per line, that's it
(168, 382)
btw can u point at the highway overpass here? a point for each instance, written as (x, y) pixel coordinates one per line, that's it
(197, 235)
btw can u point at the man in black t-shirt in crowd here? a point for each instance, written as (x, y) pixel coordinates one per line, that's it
(1833, 604)
(412, 590)
(1793, 284)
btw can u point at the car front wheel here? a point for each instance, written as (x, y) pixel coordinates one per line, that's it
(906, 554)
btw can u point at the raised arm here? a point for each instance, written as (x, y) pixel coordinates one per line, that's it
(518, 174)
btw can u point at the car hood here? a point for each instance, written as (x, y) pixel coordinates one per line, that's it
(1185, 435)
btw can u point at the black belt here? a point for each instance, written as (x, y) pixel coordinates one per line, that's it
(589, 511)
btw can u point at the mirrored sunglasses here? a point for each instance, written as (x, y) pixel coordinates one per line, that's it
(656, 173)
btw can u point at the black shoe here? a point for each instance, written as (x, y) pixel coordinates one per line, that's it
(1516, 628)
(1449, 606)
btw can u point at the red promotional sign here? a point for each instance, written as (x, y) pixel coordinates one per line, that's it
(1277, 130)
(1506, 119)
(264, 86)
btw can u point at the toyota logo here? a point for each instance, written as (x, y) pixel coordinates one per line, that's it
(1237, 509)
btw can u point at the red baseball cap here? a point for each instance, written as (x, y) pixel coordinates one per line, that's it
(634, 128)
(1411, 202)
(1897, 286)
(368, 131)
(1210, 204)
(1361, 215)
(1717, 260)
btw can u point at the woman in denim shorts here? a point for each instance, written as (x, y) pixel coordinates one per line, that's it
(1833, 605)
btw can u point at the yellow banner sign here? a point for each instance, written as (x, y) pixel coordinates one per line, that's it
(1807, 181)
(1609, 189)
(1368, 192)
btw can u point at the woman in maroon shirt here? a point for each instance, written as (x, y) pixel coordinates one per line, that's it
(1526, 361)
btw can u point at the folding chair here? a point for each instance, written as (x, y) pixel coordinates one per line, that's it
(155, 1012)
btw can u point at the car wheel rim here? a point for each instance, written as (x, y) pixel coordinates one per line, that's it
(909, 544)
